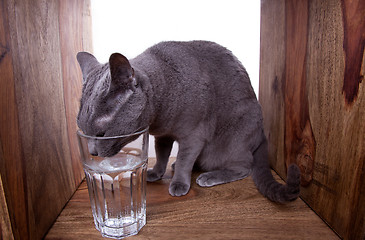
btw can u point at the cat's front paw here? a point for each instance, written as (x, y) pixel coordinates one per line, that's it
(152, 176)
(178, 189)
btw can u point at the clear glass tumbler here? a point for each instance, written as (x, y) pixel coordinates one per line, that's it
(115, 170)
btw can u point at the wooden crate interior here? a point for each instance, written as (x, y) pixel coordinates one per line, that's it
(312, 68)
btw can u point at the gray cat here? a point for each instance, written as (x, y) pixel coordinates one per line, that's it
(196, 93)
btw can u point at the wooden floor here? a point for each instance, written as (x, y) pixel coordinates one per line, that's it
(230, 211)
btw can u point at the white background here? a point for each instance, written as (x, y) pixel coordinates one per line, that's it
(130, 27)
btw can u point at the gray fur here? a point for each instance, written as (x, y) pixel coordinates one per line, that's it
(196, 93)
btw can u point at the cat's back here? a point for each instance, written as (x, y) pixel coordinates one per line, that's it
(207, 62)
(193, 57)
(200, 50)
(197, 63)
(177, 46)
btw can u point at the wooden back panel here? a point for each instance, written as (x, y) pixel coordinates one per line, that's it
(312, 69)
(40, 86)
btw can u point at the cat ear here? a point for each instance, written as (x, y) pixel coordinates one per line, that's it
(87, 62)
(121, 72)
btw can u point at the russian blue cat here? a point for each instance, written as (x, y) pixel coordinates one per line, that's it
(196, 93)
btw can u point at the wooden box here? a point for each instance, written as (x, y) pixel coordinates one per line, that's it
(40, 83)
(311, 91)
(313, 99)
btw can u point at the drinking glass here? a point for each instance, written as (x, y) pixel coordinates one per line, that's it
(115, 169)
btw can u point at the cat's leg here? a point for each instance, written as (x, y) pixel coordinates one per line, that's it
(188, 152)
(163, 146)
(232, 172)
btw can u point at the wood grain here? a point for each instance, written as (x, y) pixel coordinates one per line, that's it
(299, 140)
(11, 159)
(5, 226)
(272, 70)
(230, 211)
(337, 192)
(71, 42)
(38, 96)
(315, 104)
(353, 44)
(42, 123)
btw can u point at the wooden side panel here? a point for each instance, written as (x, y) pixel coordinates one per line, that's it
(272, 79)
(353, 44)
(299, 140)
(323, 105)
(42, 124)
(337, 190)
(87, 43)
(11, 162)
(40, 169)
(71, 42)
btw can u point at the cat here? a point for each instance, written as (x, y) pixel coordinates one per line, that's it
(196, 93)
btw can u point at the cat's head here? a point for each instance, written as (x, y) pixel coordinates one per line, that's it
(112, 101)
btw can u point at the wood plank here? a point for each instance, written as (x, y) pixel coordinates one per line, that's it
(71, 19)
(229, 211)
(87, 43)
(353, 44)
(322, 100)
(37, 168)
(36, 51)
(11, 165)
(272, 70)
(337, 192)
(299, 141)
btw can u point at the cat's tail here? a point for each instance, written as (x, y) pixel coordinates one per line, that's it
(265, 181)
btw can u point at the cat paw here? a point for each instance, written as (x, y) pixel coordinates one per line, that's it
(213, 178)
(152, 176)
(207, 180)
(178, 189)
